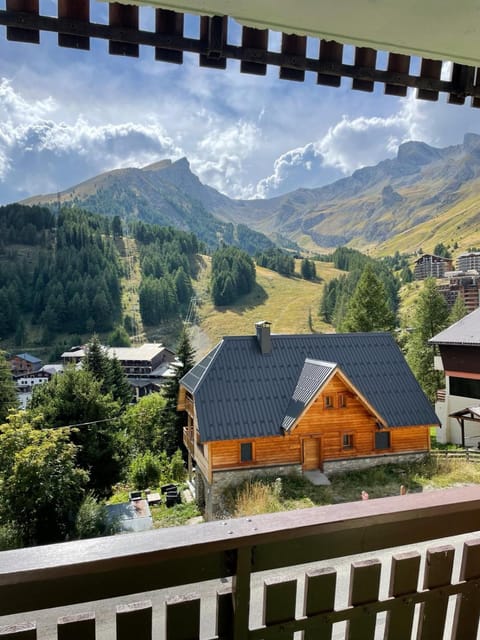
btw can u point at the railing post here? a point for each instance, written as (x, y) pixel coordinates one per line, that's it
(241, 593)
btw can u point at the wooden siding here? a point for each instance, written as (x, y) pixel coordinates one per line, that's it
(460, 358)
(327, 426)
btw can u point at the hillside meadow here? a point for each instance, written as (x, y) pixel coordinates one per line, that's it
(291, 304)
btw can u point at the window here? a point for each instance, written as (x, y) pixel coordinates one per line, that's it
(347, 440)
(382, 440)
(342, 401)
(465, 387)
(246, 452)
(328, 402)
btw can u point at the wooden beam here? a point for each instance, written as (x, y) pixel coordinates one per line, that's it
(78, 10)
(17, 33)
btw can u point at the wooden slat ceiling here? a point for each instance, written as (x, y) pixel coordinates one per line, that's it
(24, 23)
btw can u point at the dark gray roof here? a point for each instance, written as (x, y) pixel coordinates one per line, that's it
(314, 375)
(240, 393)
(465, 331)
(28, 358)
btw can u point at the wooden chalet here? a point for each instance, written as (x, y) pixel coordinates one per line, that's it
(24, 363)
(278, 404)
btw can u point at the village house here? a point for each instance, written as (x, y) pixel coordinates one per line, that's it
(24, 363)
(458, 404)
(280, 404)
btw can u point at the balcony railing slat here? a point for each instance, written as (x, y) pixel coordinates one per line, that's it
(467, 609)
(76, 627)
(319, 597)
(280, 596)
(134, 621)
(225, 615)
(24, 631)
(438, 573)
(183, 618)
(364, 589)
(403, 582)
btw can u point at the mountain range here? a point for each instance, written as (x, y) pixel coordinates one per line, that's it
(404, 202)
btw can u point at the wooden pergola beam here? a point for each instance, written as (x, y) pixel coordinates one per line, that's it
(24, 23)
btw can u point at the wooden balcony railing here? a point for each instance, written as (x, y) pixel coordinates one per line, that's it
(189, 408)
(189, 439)
(195, 450)
(234, 551)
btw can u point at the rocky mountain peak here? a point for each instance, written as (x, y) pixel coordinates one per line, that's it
(417, 153)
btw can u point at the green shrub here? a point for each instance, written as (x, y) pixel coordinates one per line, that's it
(145, 471)
(92, 520)
(177, 467)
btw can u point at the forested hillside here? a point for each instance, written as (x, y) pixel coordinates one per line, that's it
(62, 272)
(166, 194)
(338, 292)
(63, 275)
(168, 264)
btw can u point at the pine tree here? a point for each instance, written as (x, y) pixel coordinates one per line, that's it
(430, 317)
(458, 310)
(368, 308)
(174, 421)
(96, 360)
(8, 396)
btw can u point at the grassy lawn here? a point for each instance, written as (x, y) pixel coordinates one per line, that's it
(295, 492)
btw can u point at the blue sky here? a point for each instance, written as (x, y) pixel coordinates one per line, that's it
(67, 115)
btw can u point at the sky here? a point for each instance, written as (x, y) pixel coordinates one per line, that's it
(68, 115)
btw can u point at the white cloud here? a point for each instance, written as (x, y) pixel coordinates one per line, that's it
(220, 155)
(348, 145)
(38, 154)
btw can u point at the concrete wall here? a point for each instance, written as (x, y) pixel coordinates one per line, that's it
(356, 464)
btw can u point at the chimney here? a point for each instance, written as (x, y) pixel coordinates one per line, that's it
(263, 336)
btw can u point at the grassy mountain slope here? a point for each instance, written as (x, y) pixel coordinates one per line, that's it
(164, 193)
(291, 304)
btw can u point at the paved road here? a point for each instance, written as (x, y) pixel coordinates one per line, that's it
(105, 610)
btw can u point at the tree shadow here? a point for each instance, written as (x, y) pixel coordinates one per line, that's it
(257, 296)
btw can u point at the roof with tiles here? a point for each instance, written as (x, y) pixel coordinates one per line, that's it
(241, 393)
(465, 331)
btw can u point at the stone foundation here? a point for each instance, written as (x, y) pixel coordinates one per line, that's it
(357, 464)
(222, 480)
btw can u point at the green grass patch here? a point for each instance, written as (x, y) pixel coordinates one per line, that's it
(265, 495)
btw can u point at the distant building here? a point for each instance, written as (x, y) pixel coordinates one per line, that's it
(465, 285)
(458, 405)
(25, 382)
(24, 363)
(431, 266)
(469, 260)
(147, 367)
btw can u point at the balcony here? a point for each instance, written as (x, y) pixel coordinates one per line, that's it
(414, 595)
(196, 450)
